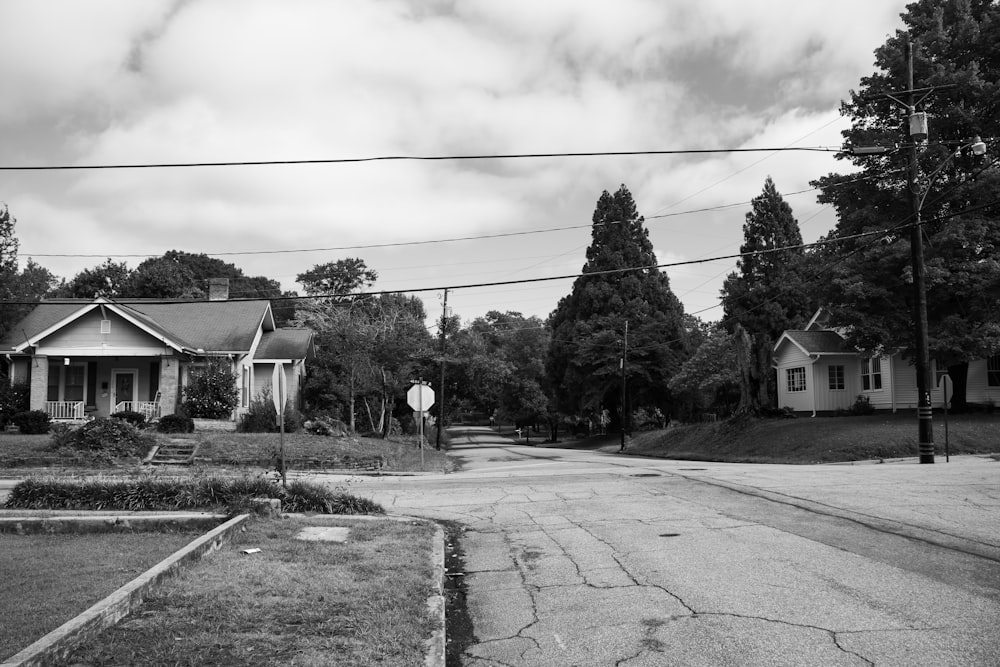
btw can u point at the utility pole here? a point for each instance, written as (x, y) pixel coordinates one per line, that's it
(624, 402)
(440, 424)
(917, 131)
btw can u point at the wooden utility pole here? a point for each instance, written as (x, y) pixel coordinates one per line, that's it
(624, 402)
(440, 421)
(925, 427)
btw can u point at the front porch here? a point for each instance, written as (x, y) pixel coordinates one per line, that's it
(76, 389)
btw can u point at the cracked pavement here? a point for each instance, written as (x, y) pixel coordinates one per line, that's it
(588, 558)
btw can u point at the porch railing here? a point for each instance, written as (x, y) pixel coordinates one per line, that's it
(151, 409)
(65, 409)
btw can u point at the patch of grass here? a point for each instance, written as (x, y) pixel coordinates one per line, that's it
(256, 450)
(293, 603)
(37, 591)
(817, 440)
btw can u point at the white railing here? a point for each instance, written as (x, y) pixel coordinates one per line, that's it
(151, 409)
(64, 409)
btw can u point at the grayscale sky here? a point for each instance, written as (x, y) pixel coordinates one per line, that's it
(126, 81)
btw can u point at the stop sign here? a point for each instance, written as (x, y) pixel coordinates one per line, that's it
(420, 397)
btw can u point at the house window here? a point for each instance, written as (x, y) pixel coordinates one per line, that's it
(871, 374)
(993, 371)
(67, 383)
(245, 388)
(796, 378)
(836, 378)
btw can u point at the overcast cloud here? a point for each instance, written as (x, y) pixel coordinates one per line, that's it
(120, 81)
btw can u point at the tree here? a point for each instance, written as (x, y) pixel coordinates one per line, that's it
(869, 290)
(337, 280)
(620, 284)
(161, 278)
(766, 296)
(106, 280)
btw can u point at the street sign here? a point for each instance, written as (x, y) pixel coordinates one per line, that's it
(420, 397)
(278, 388)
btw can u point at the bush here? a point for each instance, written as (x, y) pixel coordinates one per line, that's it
(211, 392)
(112, 437)
(136, 419)
(261, 417)
(33, 422)
(14, 398)
(152, 494)
(175, 423)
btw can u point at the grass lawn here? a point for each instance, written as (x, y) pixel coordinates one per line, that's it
(817, 439)
(293, 603)
(49, 579)
(254, 450)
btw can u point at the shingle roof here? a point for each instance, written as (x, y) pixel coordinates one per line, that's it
(820, 342)
(213, 326)
(286, 344)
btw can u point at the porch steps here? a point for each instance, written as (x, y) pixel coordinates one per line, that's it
(173, 452)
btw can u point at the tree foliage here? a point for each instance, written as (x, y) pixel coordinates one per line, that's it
(766, 295)
(869, 288)
(620, 284)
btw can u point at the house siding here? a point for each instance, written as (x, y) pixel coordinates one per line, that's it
(791, 356)
(832, 400)
(85, 334)
(977, 386)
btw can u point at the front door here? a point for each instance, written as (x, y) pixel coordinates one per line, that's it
(123, 385)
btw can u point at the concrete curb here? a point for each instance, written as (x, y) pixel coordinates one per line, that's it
(110, 610)
(435, 656)
(24, 523)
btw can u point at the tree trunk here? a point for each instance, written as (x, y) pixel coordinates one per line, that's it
(352, 399)
(747, 365)
(959, 374)
(371, 420)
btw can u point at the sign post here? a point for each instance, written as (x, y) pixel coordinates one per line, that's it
(278, 393)
(420, 398)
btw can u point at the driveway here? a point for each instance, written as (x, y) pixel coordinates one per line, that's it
(592, 558)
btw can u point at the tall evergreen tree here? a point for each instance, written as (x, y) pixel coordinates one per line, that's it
(766, 296)
(620, 284)
(869, 288)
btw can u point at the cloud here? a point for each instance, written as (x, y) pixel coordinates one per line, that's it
(224, 80)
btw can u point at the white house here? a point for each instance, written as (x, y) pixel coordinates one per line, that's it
(818, 373)
(85, 358)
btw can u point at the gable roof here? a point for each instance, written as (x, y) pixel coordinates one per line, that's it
(191, 326)
(816, 342)
(285, 344)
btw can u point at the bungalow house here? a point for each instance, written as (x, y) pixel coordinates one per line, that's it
(819, 374)
(89, 358)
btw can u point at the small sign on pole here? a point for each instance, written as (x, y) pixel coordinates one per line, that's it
(420, 397)
(278, 392)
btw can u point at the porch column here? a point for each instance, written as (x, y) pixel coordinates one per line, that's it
(39, 382)
(170, 375)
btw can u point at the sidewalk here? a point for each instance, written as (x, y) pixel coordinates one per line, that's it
(955, 503)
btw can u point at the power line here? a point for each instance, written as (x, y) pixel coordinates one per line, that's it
(399, 244)
(410, 158)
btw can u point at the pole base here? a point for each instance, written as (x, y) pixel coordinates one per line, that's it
(927, 458)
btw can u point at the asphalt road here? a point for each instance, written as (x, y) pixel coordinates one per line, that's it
(592, 558)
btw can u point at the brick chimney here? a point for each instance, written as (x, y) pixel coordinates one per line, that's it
(218, 289)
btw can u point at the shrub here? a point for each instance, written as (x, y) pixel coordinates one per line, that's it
(261, 417)
(112, 437)
(136, 419)
(175, 423)
(153, 494)
(211, 392)
(33, 422)
(14, 398)
(862, 406)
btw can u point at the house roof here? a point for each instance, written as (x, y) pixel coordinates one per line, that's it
(816, 342)
(286, 344)
(195, 326)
